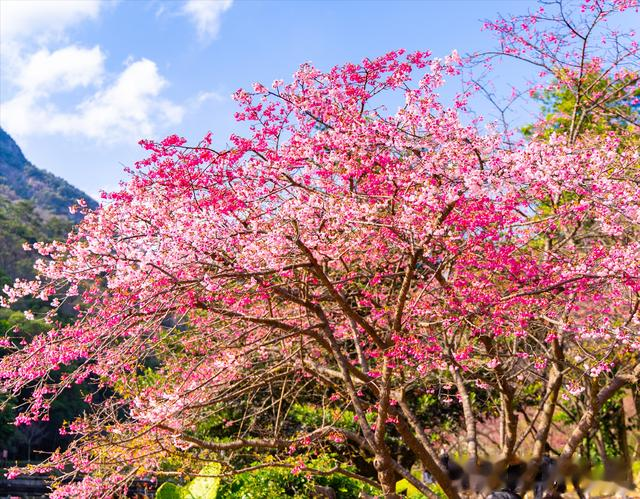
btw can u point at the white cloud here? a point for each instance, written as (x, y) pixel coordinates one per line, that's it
(214, 96)
(130, 106)
(69, 91)
(127, 108)
(61, 70)
(42, 19)
(206, 14)
(26, 25)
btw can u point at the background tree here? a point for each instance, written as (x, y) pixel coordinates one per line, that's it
(594, 91)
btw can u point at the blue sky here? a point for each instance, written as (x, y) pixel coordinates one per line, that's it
(83, 81)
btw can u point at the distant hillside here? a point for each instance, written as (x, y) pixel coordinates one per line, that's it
(21, 180)
(20, 222)
(34, 206)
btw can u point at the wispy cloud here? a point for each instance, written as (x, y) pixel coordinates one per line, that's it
(214, 96)
(206, 16)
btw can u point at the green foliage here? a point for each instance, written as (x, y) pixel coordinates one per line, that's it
(201, 487)
(444, 416)
(20, 222)
(275, 483)
(169, 490)
(4, 279)
(16, 321)
(605, 105)
(311, 415)
(345, 487)
(7, 429)
(271, 483)
(404, 487)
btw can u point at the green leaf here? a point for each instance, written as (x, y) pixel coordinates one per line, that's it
(202, 487)
(169, 490)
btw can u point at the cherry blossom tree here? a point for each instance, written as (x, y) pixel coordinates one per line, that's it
(347, 257)
(593, 92)
(592, 62)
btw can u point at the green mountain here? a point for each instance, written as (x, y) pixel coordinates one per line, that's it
(34, 206)
(21, 180)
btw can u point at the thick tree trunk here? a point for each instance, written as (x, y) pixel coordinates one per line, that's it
(510, 425)
(469, 418)
(551, 399)
(420, 444)
(386, 477)
(623, 443)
